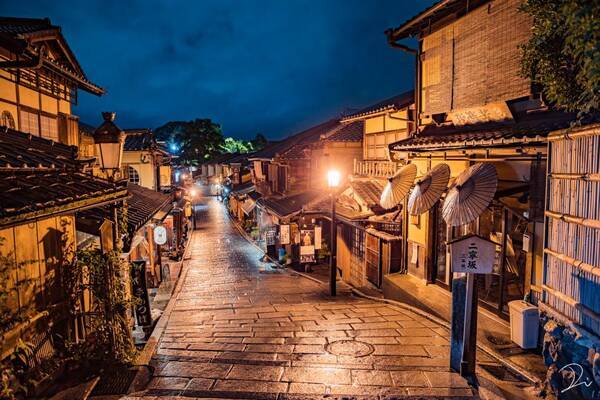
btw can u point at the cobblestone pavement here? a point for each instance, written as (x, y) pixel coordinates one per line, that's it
(240, 329)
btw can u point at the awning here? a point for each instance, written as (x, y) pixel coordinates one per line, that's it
(243, 189)
(382, 235)
(248, 206)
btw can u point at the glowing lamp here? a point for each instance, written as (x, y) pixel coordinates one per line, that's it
(109, 140)
(333, 178)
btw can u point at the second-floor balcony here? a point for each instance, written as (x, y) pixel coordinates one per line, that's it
(374, 168)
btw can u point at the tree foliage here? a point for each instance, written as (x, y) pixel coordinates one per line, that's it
(231, 145)
(563, 54)
(196, 140)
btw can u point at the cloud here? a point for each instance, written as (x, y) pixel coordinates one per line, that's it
(253, 66)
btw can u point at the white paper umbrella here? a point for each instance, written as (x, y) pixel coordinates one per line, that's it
(428, 189)
(398, 186)
(470, 195)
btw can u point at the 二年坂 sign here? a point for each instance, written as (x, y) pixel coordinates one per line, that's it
(473, 254)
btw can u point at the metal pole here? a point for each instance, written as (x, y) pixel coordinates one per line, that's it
(332, 260)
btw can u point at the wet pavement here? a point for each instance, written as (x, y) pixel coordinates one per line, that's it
(241, 329)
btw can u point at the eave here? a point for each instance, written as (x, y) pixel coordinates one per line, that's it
(71, 207)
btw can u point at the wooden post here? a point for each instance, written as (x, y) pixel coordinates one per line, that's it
(467, 367)
(459, 286)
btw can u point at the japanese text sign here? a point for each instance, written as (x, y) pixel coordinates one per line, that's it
(473, 255)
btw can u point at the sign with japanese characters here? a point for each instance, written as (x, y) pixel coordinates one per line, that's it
(473, 255)
(284, 234)
(140, 293)
(307, 245)
(160, 235)
(317, 237)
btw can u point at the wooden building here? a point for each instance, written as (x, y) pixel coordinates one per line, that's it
(472, 105)
(42, 193)
(44, 184)
(39, 80)
(369, 238)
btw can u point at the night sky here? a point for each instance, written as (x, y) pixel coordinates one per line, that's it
(253, 66)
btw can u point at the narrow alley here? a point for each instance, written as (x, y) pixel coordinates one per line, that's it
(241, 329)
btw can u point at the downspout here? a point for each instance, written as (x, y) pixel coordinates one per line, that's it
(394, 44)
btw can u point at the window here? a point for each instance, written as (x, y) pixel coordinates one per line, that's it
(132, 175)
(30, 122)
(49, 128)
(7, 120)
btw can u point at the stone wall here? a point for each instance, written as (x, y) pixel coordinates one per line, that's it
(573, 361)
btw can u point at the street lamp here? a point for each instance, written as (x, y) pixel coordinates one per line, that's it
(109, 140)
(333, 181)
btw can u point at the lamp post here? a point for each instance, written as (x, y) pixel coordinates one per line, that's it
(333, 181)
(109, 140)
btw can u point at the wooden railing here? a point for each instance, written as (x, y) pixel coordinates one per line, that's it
(375, 168)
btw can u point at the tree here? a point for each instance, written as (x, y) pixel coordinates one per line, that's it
(259, 142)
(231, 145)
(563, 53)
(194, 141)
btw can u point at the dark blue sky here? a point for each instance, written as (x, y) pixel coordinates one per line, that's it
(272, 66)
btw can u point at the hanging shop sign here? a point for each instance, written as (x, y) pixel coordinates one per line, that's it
(294, 234)
(473, 254)
(284, 234)
(318, 239)
(270, 236)
(160, 235)
(307, 245)
(140, 293)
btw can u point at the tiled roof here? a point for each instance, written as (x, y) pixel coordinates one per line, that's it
(346, 132)
(530, 129)
(22, 150)
(23, 26)
(19, 32)
(138, 139)
(296, 152)
(397, 102)
(28, 194)
(143, 204)
(431, 14)
(222, 158)
(289, 205)
(244, 188)
(240, 158)
(369, 190)
(307, 136)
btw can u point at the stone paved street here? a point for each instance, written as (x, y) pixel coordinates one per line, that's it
(240, 329)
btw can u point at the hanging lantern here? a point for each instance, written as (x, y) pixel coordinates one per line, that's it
(109, 140)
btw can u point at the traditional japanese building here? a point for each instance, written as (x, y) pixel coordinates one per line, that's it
(472, 105)
(146, 162)
(370, 238)
(41, 175)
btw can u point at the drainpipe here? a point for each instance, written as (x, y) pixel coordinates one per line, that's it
(392, 42)
(416, 52)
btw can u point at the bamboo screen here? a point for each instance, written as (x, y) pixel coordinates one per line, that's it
(572, 253)
(475, 60)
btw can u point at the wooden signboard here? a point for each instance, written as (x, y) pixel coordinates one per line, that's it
(284, 234)
(473, 255)
(140, 292)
